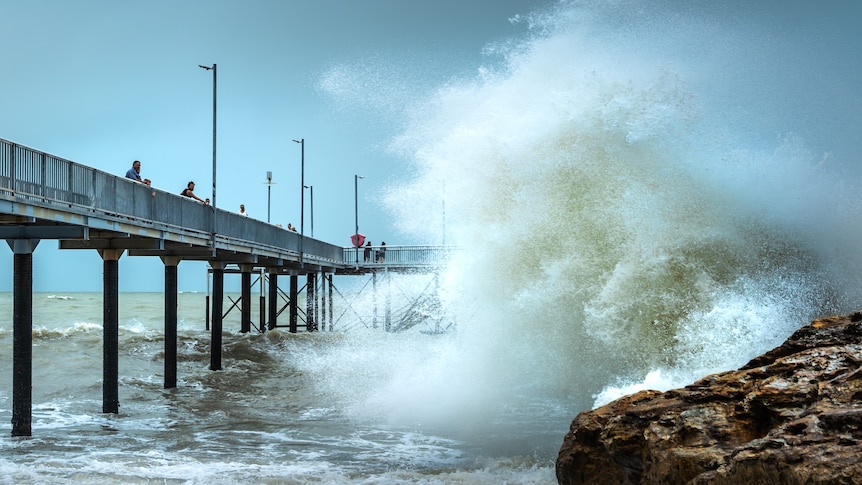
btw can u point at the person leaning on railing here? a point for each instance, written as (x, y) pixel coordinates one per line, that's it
(189, 191)
(134, 173)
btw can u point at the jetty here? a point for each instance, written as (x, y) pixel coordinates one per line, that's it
(45, 197)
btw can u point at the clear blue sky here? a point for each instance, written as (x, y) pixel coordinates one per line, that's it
(104, 83)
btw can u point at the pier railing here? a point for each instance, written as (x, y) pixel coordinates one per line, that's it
(395, 256)
(39, 179)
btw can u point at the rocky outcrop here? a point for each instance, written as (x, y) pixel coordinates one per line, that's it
(790, 416)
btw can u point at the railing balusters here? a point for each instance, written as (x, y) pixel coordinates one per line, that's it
(401, 256)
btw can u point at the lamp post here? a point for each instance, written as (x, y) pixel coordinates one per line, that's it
(356, 208)
(311, 190)
(269, 184)
(301, 141)
(215, 213)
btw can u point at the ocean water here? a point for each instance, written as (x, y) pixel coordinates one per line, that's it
(642, 193)
(270, 416)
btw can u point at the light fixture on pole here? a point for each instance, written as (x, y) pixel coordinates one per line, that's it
(356, 210)
(301, 141)
(215, 213)
(311, 190)
(269, 183)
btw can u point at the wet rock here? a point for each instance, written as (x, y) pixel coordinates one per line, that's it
(790, 416)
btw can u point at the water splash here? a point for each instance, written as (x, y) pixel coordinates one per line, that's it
(622, 215)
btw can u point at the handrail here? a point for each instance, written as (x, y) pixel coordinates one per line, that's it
(41, 179)
(399, 256)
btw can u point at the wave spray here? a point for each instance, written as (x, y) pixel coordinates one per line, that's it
(641, 194)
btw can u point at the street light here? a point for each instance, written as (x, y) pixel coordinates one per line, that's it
(269, 183)
(356, 209)
(311, 189)
(302, 199)
(215, 213)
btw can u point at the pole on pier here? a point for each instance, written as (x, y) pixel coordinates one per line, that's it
(111, 330)
(22, 336)
(171, 263)
(218, 297)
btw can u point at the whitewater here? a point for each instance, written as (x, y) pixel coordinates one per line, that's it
(641, 193)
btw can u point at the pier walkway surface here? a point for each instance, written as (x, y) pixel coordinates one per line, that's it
(43, 196)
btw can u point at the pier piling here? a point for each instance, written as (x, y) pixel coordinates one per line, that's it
(171, 289)
(245, 298)
(217, 301)
(111, 329)
(22, 338)
(273, 298)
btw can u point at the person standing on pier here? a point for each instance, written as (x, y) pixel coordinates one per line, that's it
(367, 254)
(134, 173)
(381, 253)
(242, 210)
(189, 191)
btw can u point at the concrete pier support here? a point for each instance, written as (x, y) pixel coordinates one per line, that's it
(245, 299)
(273, 298)
(217, 314)
(111, 329)
(171, 263)
(22, 336)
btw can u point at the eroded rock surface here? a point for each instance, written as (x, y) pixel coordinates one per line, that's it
(790, 416)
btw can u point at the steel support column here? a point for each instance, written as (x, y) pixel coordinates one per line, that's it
(310, 302)
(293, 311)
(261, 309)
(22, 336)
(331, 312)
(245, 299)
(171, 263)
(217, 302)
(111, 330)
(323, 301)
(388, 324)
(273, 298)
(374, 299)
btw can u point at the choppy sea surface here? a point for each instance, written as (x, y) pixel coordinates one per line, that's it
(270, 416)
